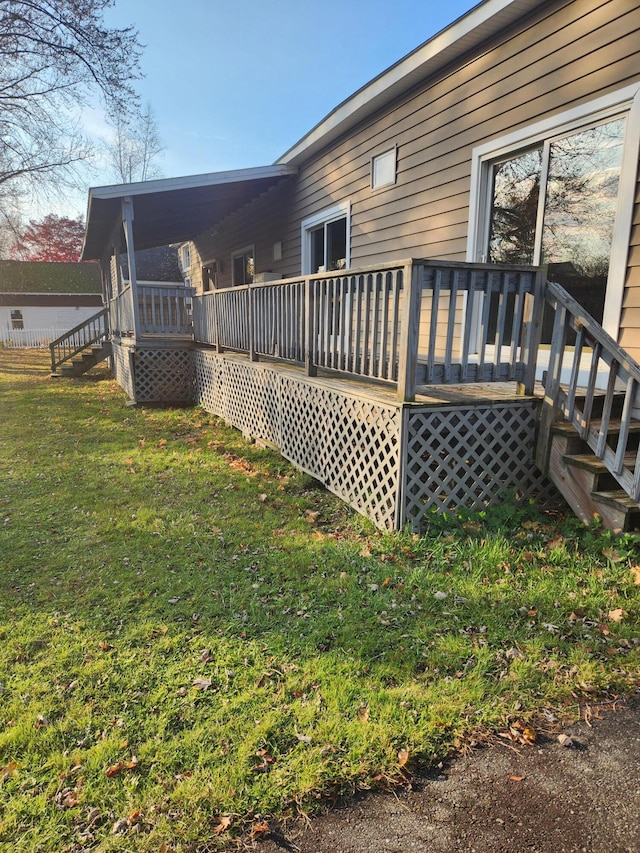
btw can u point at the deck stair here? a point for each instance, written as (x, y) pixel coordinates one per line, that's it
(86, 359)
(82, 347)
(585, 481)
(589, 433)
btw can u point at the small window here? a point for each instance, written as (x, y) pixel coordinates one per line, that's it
(243, 266)
(185, 257)
(383, 169)
(17, 320)
(325, 240)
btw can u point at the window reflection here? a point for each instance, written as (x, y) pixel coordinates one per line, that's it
(571, 227)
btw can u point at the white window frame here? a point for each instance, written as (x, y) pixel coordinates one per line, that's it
(185, 256)
(623, 102)
(392, 154)
(237, 253)
(324, 217)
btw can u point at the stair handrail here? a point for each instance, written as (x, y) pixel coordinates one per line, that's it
(72, 342)
(563, 398)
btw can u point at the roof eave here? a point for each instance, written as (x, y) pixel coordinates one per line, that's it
(481, 23)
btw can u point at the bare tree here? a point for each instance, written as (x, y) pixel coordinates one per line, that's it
(136, 146)
(55, 55)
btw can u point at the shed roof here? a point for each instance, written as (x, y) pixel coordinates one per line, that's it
(173, 210)
(49, 277)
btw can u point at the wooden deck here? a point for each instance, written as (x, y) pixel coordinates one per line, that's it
(404, 389)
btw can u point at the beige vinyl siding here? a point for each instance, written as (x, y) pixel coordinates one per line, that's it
(567, 53)
(630, 319)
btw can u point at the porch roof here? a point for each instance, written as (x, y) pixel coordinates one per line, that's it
(173, 210)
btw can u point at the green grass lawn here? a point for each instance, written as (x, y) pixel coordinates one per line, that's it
(197, 640)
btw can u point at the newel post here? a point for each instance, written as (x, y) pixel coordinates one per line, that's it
(250, 324)
(532, 330)
(410, 329)
(310, 332)
(127, 222)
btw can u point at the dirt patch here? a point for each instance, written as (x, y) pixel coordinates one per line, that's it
(545, 798)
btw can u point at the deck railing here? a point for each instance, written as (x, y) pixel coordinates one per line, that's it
(413, 323)
(586, 365)
(162, 309)
(90, 331)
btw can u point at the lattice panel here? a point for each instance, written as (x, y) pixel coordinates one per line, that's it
(253, 399)
(350, 445)
(163, 375)
(469, 457)
(122, 369)
(209, 391)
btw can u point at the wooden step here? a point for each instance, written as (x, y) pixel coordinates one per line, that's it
(589, 488)
(618, 501)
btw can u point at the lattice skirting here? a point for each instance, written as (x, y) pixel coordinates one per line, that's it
(393, 463)
(470, 457)
(122, 369)
(155, 375)
(350, 444)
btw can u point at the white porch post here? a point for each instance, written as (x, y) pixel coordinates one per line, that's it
(127, 222)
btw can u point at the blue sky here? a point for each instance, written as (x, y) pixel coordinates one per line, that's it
(235, 83)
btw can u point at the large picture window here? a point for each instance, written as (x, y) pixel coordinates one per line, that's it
(325, 240)
(556, 204)
(560, 193)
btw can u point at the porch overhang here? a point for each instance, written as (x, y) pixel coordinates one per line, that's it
(173, 210)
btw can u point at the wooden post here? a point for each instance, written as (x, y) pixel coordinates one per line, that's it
(310, 331)
(250, 322)
(548, 413)
(532, 330)
(409, 332)
(127, 222)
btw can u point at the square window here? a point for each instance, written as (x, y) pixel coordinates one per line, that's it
(383, 169)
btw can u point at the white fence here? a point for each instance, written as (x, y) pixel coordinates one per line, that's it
(28, 338)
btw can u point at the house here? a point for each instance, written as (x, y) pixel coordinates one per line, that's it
(379, 301)
(38, 300)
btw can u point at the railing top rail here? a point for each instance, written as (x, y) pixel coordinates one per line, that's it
(102, 313)
(594, 329)
(472, 266)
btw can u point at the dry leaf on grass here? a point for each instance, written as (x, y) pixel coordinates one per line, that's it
(202, 683)
(259, 830)
(224, 823)
(403, 757)
(635, 571)
(617, 615)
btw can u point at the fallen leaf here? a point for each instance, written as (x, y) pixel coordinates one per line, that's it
(223, 825)
(513, 778)
(363, 713)
(312, 515)
(205, 657)
(135, 816)
(132, 763)
(262, 498)
(617, 615)
(259, 829)
(112, 771)
(635, 571)
(403, 757)
(10, 769)
(202, 683)
(105, 646)
(612, 555)
(565, 740)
